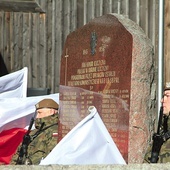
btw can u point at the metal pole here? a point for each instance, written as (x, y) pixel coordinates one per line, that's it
(160, 52)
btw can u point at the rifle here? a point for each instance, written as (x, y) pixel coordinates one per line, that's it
(157, 140)
(22, 158)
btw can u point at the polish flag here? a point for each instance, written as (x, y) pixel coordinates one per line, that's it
(16, 111)
(15, 116)
(11, 85)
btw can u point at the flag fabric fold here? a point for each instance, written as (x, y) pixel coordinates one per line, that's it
(15, 116)
(9, 141)
(88, 142)
(16, 111)
(14, 84)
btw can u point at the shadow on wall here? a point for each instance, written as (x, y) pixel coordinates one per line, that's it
(37, 91)
(3, 68)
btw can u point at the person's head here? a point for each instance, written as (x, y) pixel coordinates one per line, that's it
(46, 107)
(166, 100)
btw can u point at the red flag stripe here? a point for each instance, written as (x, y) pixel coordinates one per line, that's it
(9, 141)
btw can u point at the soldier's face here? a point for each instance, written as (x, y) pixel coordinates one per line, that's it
(166, 102)
(44, 112)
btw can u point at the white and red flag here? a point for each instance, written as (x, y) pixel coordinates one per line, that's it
(14, 84)
(15, 116)
(16, 111)
(88, 142)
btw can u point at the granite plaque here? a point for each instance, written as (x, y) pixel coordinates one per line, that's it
(96, 69)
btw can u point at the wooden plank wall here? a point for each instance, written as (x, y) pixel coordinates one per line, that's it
(167, 40)
(36, 40)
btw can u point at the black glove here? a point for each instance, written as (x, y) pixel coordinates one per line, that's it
(157, 143)
(158, 139)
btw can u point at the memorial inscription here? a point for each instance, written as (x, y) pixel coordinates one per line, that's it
(97, 57)
(113, 110)
(96, 69)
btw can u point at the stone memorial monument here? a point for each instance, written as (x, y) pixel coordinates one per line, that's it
(108, 63)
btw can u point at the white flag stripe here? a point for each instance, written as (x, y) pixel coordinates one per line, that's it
(88, 142)
(16, 112)
(14, 84)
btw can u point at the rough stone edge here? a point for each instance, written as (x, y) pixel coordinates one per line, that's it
(141, 103)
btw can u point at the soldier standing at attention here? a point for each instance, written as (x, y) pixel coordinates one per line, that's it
(43, 137)
(164, 136)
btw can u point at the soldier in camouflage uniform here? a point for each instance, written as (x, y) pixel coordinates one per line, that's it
(164, 155)
(43, 138)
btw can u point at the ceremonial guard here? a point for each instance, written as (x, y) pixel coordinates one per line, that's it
(38, 143)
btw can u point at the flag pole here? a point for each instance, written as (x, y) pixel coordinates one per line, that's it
(160, 53)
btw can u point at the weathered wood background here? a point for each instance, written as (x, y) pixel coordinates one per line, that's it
(166, 42)
(36, 39)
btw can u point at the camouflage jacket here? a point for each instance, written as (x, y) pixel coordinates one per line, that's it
(164, 155)
(43, 140)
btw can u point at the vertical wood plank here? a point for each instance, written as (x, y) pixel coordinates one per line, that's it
(99, 8)
(42, 51)
(167, 40)
(125, 8)
(16, 35)
(25, 40)
(6, 37)
(138, 10)
(80, 13)
(50, 22)
(66, 21)
(144, 6)
(73, 15)
(119, 7)
(133, 13)
(19, 42)
(1, 33)
(35, 54)
(153, 22)
(11, 41)
(58, 44)
(85, 12)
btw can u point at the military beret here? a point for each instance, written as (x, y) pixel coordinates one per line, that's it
(167, 86)
(46, 103)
